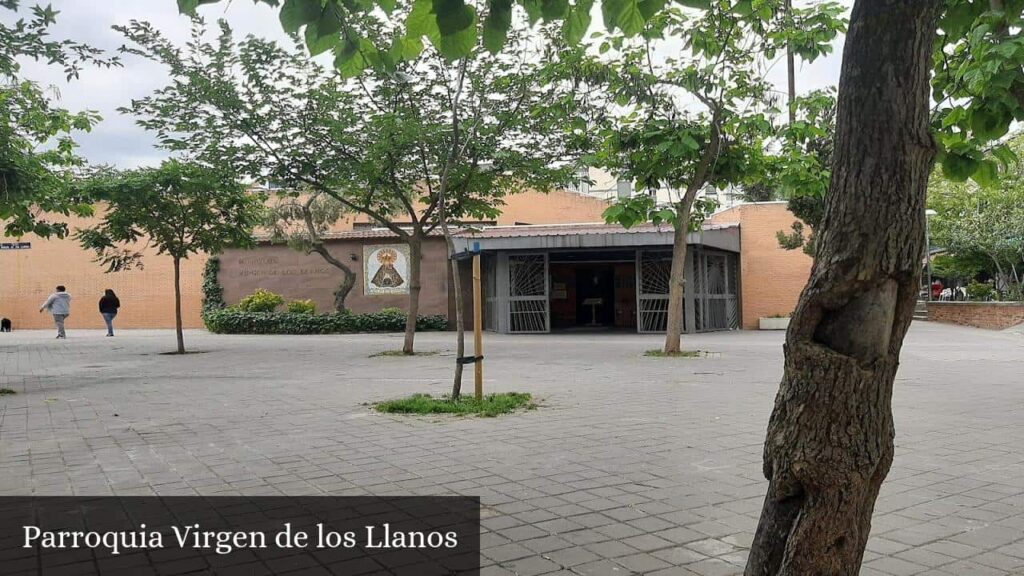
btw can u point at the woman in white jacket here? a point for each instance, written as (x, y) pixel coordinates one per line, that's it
(59, 305)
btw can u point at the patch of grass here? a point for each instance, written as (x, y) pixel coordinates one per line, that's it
(391, 353)
(491, 405)
(6, 392)
(681, 354)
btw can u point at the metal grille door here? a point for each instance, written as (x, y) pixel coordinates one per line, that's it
(716, 304)
(528, 293)
(490, 286)
(653, 273)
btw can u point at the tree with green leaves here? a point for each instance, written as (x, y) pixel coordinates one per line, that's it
(415, 142)
(180, 209)
(37, 152)
(921, 80)
(982, 227)
(694, 121)
(301, 221)
(802, 174)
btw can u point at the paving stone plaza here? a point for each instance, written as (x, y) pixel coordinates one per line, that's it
(631, 465)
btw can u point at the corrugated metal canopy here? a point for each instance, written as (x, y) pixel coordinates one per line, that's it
(591, 235)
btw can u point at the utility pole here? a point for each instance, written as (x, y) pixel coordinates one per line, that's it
(790, 65)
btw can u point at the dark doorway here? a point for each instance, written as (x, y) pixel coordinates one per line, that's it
(593, 295)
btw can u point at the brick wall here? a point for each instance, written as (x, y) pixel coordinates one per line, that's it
(771, 278)
(990, 315)
(296, 276)
(529, 207)
(27, 277)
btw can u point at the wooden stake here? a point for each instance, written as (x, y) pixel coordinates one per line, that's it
(478, 329)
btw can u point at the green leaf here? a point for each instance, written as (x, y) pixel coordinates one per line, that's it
(409, 47)
(689, 142)
(613, 213)
(350, 60)
(699, 4)
(629, 19)
(553, 9)
(648, 8)
(987, 174)
(297, 13)
(422, 22)
(988, 124)
(495, 29)
(578, 22)
(453, 16)
(189, 6)
(460, 43)
(533, 10)
(317, 43)
(958, 167)
(1005, 155)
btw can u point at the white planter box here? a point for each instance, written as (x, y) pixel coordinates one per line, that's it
(773, 323)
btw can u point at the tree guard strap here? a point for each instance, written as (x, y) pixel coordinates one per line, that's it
(469, 359)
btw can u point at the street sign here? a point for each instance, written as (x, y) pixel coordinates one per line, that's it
(15, 245)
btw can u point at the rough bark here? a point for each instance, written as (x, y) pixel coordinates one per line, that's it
(348, 277)
(677, 277)
(684, 208)
(830, 438)
(415, 261)
(348, 281)
(177, 306)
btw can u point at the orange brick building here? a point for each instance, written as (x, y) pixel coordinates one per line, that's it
(28, 276)
(771, 278)
(757, 277)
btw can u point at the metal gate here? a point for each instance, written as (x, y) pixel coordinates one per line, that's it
(654, 270)
(490, 286)
(716, 302)
(528, 310)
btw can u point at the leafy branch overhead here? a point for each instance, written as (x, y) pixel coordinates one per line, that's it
(978, 83)
(456, 27)
(37, 151)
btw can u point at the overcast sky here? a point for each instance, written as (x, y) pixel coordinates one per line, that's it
(118, 141)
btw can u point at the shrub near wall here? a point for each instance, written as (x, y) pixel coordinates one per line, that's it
(222, 319)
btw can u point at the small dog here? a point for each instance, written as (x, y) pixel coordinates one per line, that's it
(5, 325)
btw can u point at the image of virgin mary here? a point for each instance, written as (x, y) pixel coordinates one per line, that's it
(387, 275)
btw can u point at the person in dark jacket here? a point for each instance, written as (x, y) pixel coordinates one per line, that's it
(108, 308)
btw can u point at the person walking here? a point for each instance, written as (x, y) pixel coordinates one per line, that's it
(59, 305)
(109, 305)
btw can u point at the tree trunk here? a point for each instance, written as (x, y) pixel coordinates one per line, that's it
(830, 438)
(677, 276)
(348, 281)
(177, 306)
(415, 261)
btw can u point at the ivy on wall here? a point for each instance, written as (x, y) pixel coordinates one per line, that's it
(213, 292)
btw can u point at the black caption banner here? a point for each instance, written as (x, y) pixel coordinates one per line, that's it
(228, 535)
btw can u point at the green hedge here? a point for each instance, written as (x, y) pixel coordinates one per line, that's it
(222, 319)
(235, 321)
